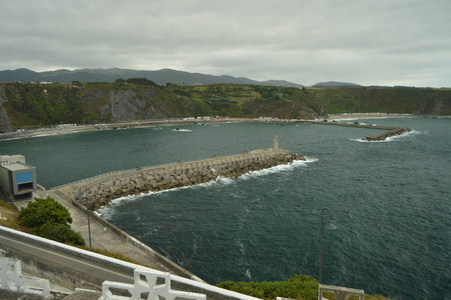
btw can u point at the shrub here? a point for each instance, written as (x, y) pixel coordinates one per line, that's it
(299, 287)
(49, 219)
(60, 233)
(44, 211)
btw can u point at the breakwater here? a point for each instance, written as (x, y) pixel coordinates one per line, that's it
(104, 189)
(388, 131)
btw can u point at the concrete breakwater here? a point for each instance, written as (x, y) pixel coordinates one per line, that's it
(392, 131)
(104, 189)
(388, 131)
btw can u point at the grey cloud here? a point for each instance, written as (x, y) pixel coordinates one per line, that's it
(366, 42)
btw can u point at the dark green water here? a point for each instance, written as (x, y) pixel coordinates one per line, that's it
(390, 201)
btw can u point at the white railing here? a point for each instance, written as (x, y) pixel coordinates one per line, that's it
(147, 285)
(13, 280)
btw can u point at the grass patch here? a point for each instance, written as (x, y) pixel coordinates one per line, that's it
(10, 216)
(300, 287)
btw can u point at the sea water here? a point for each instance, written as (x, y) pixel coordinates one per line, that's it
(390, 201)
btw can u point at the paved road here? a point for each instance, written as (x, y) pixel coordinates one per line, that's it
(102, 238)
(76, 263)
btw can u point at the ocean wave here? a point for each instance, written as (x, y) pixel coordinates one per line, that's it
(182, 130)
(108, 211)
(248, 274)
(277, 169)
(53, 134)
(10, 139)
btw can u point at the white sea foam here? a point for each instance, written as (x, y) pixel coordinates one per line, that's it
(53, 134)
(277, 169)
(182, 130)
(390, 139)
(107, 211)
(248, 274)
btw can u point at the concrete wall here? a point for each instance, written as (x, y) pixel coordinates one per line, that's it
(70, 279)
(56, 273)
(103, 190)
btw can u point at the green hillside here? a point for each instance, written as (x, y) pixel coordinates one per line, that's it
(35, 105)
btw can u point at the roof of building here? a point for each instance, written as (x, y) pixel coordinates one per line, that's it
(18, 166)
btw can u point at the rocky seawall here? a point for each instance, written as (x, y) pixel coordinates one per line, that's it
(393, 131)
(104, 189)
(389, 131)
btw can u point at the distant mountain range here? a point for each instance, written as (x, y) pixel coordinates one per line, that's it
(161, 77)
(335, 84)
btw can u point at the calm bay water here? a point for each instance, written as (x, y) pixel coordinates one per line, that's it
(390, 201)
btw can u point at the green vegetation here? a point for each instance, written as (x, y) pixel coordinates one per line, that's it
(49, 219)
(38, 105)
(10, 218)
(299, 287)
(9, 215)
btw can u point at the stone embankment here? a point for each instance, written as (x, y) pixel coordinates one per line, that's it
(389, 131)
(102, 190)
(392, 131)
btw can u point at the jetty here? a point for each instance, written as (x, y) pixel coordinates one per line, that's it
(388, 131)
(141, 180)
(180, 174)
(100, 190)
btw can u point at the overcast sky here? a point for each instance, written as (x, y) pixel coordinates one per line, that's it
(368, 42)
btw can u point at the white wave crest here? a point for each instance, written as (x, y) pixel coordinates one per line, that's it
(390, 139)
(278, 168)
(182, 130)
(108, 211)
(248, 274)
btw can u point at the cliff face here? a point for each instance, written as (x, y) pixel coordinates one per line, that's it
(5, 123)
(27, 105)
(440, 105)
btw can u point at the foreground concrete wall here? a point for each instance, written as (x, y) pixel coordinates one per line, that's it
(102, 191)
(56, 273)
(70, 279)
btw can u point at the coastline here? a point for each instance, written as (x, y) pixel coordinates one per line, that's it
(74, 128)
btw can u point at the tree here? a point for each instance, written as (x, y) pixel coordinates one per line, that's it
(44, 211)
(49, 219)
